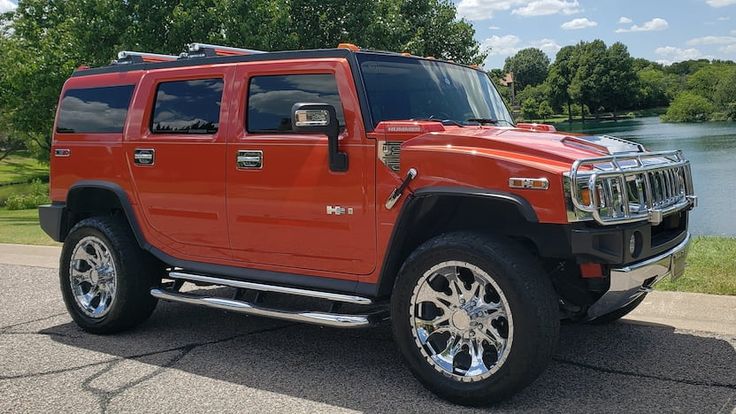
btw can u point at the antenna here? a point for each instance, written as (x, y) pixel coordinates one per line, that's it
(127, 57)
(207, 50)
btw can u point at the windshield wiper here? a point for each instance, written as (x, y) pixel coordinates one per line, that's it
(483, 120)
(443, 121)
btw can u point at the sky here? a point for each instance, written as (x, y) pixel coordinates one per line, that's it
(665, 31)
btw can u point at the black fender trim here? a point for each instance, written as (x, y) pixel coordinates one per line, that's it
(519, 202)
(392, 258)
(234, 272)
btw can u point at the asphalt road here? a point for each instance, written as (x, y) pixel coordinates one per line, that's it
(187, 359)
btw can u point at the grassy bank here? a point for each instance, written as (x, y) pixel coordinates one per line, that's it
(711, 263)
(21, 227)
(21, 168)
(711, 268)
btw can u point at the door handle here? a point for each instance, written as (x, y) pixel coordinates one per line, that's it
(144, 156)
(249, 159)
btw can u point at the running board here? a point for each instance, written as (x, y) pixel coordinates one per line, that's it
(335, 297)
(317, 318)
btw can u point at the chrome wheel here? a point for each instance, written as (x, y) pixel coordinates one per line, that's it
(461, 321)
(93, 277)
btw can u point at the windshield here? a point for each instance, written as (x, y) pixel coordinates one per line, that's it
(402, 88)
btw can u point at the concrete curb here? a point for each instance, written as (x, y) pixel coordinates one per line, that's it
(27, 255)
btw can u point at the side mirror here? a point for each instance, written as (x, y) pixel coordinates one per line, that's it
(320, 118)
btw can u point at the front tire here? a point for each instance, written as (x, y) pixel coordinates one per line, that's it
(475, 317)
(106, 277)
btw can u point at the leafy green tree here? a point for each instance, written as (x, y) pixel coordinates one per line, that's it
(641, 64)
(50, 38)
(620, 79)
(652, 91)
(538, 93)
(560, 77)
(689, 107)
(725, 91)
(705, 80)
(545, 110)
(529, 109)
(589, 84)
(529, 66)
(687, 67)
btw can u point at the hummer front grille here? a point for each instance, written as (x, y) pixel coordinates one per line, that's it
(631, 187)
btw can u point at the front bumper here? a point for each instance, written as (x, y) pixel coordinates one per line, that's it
(630, 282)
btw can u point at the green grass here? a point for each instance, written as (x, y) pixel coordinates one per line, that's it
(711, 262)
(20, 168)
(711, 268)
(21, 227)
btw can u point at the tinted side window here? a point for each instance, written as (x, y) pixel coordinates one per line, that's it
(101, 110)
(188, 107)
(270, 99)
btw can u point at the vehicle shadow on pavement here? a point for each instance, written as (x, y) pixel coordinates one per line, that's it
(614, 368)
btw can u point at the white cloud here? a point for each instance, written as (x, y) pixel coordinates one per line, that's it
(547, 7)
(711, 40)
(624, 20)
(671, 54)
(729, 49)
(576, 24)
(724, 18)
(486, 9)
(733, 32)
(549, 46)
(494, 28)
(654, 25)
(502, 45)
(720, 3)
(7, 5)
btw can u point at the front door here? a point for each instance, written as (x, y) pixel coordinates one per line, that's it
(177, 159)
(285, 207)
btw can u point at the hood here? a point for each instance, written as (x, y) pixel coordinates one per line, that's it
(564, 148)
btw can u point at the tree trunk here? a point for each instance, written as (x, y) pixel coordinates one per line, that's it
(582, 111)
(569, 111)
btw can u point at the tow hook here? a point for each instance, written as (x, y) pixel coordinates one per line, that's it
(398, 191)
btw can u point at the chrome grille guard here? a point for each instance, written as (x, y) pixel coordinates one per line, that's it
(630, 187)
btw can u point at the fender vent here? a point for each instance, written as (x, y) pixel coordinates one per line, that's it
(389, 153)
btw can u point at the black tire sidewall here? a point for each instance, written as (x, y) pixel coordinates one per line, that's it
(130, 298)
(530, 314)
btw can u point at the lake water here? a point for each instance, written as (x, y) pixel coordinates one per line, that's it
(711, 149)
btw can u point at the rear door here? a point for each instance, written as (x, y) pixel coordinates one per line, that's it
(285, 207)
(177, 159)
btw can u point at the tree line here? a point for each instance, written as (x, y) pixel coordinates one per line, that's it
(43, 41)
(592, 78)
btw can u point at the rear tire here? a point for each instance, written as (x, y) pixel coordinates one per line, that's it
(507, 330)
(106, 277)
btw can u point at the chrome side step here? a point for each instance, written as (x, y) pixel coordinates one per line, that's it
(316, 318)
(335, 297)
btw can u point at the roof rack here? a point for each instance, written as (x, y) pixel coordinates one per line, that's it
(207, 50)
(127, 57)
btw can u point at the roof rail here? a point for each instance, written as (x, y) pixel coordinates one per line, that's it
(207, 50)
(127, 57)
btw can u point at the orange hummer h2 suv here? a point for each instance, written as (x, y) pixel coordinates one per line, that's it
(374, 186)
